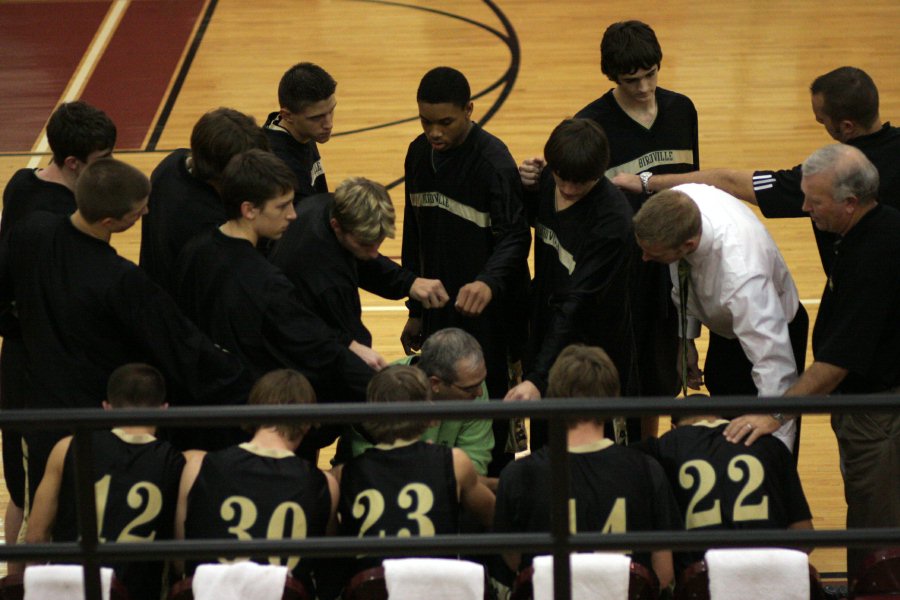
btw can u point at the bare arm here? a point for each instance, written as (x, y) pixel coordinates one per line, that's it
(334, 492)
(736, 183)
(474, 495)
(46, 499)
(193, 461)
(662, 566)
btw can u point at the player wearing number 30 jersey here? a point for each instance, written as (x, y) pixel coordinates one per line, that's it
(260, 489)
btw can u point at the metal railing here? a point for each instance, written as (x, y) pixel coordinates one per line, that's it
(559, 542)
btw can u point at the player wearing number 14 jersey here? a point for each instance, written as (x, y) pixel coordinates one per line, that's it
(613, 489)
(260, 489)
(135, 483)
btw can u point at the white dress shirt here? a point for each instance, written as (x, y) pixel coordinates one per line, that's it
(740, 287)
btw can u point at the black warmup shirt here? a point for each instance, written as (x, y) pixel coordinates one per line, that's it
(670, 145)
(24, 194)
(303, 159)
(180, 207)
(136, 485)
(464, 222)
(779, 195)
(247, 492)
(858, 325)
(580, 292)
(248, 306)
(615, 489)
(327, 277)
(84, 311)
(407, 490)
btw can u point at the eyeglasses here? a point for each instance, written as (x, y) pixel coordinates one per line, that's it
(469, 390)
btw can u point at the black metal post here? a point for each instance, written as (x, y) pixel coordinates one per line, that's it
(87, 512)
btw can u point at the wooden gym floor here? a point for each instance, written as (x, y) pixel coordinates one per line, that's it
(156, 65)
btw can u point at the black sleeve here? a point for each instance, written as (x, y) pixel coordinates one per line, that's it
(666, 513)
(593, 272)
(335, 307)
(778, 193)
(512, 239)
(410, 256)
(208, 373)
(696, 136)
(384, 277)
(302, 341)
(795, 499)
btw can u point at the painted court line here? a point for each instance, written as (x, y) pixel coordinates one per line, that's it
(91, 57)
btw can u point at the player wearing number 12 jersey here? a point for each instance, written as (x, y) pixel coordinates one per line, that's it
(404, 487)
(260, 489)
(135, 483)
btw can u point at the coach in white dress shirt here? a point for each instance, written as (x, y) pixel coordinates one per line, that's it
(738, 286)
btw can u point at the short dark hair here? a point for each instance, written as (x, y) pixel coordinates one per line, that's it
(304, 84)
(218, 136)
(444, 85)
(254, 176)
(109, 188)
(77, 129)
(136, 385)
(583, 372)
(849, 94)
(628, 46)
(397, 383)
(282, 387)
(577, 151)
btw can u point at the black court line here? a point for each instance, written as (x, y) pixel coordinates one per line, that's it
(507, 80)
(182, 75)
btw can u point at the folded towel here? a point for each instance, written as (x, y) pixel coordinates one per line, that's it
(433, 578)
(239, 581)
(752, 573)
(598, 576)
(52, 582)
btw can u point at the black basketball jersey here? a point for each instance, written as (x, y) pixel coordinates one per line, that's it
(720, 485)
(407, 490)
(136, 481)
(303, 158)
(613, 489)
(247, 492)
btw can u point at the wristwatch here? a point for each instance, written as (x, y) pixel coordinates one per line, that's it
(779, 417)
(645, 181)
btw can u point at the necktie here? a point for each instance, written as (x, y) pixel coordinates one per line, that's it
(684, 283)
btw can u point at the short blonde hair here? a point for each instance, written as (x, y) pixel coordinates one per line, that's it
(363, 207)
(397, 383)
(669, 218)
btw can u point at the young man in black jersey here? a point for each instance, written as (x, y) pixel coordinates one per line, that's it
(613, 488)
(83, 310)
(249, 307)
(185, 196)
(404, 486)
(135, 482)
(650, 130)
(78, 134)
(306, 117)
(584, 251)
(464, 224)
(260, 489)
(331, 250)
(722, 485)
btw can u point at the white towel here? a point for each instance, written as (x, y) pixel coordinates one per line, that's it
(752, 573)
(52, 582)
(598, 576)
(239, 581)
(433, 578)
